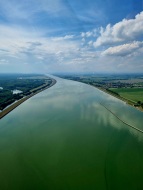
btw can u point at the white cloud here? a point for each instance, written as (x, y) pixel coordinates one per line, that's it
(21, 46)
(88, 34)
(3, 62)
(43, 53)
(90, 43)
(122, 32)
(83, 34)
(66, 37)
(83, 40)
(123, 50)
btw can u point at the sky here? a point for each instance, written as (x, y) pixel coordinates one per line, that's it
(49, 36)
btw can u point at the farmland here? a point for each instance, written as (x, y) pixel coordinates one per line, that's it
(127, 87)
(134, 94)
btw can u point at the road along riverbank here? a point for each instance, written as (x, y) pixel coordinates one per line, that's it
(17, 103)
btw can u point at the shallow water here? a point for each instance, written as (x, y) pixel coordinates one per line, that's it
(63, 138)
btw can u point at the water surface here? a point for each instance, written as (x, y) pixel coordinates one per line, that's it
(63, 138)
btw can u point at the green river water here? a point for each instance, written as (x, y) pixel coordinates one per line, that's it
(64, 139)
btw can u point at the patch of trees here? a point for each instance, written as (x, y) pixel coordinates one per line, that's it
(12, 82)
(139, 103)
(115, 93)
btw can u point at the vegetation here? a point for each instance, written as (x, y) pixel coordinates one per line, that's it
(127, 87)
(28, 84)
(133, 94)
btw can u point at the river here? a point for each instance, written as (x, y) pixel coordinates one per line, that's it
(64, 139)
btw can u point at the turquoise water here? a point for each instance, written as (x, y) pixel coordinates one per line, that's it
(63, 138)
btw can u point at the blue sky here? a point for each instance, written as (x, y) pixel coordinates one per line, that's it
(49, 36)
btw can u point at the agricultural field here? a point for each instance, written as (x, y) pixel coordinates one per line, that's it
(134, 94)
(127, 87)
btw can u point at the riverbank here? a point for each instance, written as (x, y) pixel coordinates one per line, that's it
(17, 103)
(128, 102)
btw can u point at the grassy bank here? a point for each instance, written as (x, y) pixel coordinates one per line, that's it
(134, 94)
(132, 97)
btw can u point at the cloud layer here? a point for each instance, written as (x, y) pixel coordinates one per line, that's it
(60, 36)
(124, 31)
(125, 49)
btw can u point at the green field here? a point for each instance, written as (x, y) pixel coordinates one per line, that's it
(134, 94)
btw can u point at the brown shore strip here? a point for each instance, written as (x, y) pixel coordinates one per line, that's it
(16, 104)
(128, 102)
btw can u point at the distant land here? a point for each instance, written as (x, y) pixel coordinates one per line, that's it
(17, 88)
(127, 87)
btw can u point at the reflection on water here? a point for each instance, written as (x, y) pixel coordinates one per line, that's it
(63, 138)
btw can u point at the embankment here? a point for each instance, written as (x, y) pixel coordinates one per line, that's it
(14, 105)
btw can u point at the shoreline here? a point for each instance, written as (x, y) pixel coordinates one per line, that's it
(128, 102)
(16, 104)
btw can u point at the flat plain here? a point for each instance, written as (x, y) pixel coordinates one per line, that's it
(134, 94)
